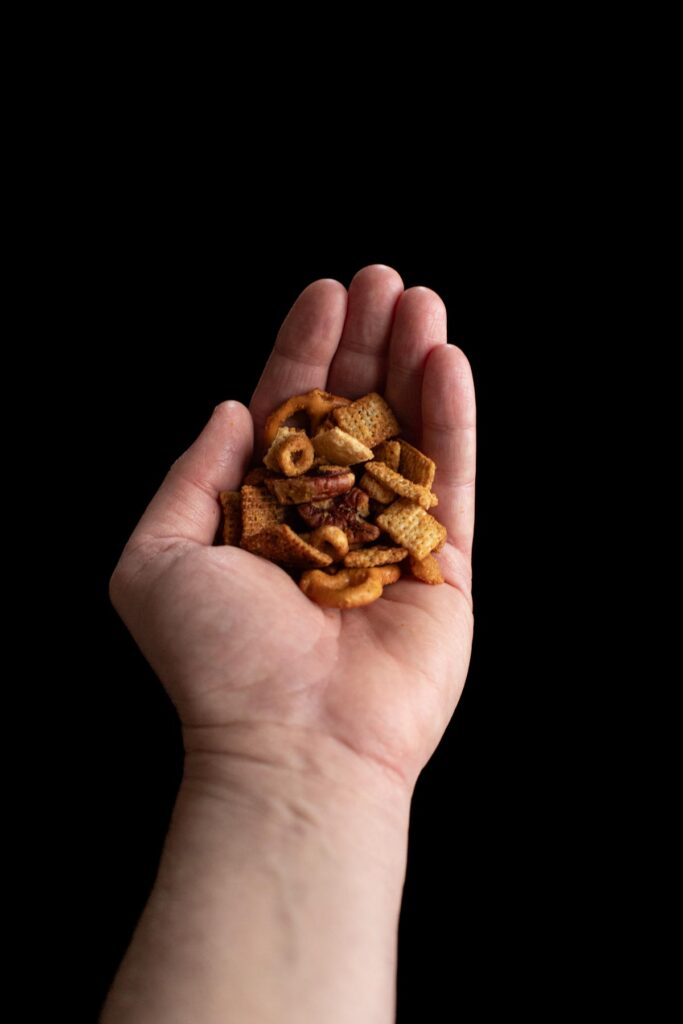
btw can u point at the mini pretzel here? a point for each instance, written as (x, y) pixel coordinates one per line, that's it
(331, 541)
(347, 589)
(316, 404)
(387, 573)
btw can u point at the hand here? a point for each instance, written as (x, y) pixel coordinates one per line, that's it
(242, 652)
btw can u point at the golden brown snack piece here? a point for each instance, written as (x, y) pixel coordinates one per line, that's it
(389, 452)
(282, 545)
(291, 452)
(257, 476)
(375, 490)
(346, 512)
(316, 404)
(260, 511)
(269, 459)
(397, 483)
(388, 573)
(320, 467)
(331, 541)
(309, 472)
(346, 589)
(340, 448)
(369, 557)
(300, 489)
(232, 516)
(416, 466)
(427, 570)
(369, 419)
(411, 527)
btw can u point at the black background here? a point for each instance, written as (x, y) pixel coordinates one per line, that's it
(186, 320)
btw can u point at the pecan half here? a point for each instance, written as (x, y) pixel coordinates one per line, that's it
(298, 489)
(345, 512)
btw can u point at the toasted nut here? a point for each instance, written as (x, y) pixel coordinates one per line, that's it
(300, 489)
(345, 512)
(349, 588)
(316, 404)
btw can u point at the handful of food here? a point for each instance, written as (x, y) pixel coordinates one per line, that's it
(344, 501)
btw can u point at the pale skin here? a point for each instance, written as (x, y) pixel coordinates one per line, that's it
(305, 729)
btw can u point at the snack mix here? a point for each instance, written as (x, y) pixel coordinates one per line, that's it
(343, 505)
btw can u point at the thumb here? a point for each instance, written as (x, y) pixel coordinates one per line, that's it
(186, 505)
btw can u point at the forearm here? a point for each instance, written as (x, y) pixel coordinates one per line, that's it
(277, 898)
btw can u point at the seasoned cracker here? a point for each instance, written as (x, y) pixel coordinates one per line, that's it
(338, 447)
(260, 511)
(389, 452)
(397, 483)
(374, 489)
(411, 527)
(232, 516)
(426, 569)
(369, 557)
(281, 544)
(369, 419)
(416, 466)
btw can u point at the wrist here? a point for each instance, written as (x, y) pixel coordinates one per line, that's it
(292, 781)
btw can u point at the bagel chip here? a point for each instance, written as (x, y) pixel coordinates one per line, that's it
(338, 447)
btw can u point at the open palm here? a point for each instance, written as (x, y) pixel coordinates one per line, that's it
(231, 636)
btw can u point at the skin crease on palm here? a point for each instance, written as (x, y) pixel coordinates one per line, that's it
(238, 646)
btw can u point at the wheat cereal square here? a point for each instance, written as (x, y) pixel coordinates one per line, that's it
(411, 527)
(416, 466)
(232, 516)
(369, 419)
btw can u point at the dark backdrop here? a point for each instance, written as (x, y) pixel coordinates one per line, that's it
(180, 325)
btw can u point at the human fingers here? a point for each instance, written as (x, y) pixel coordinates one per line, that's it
(303, 350)
(359, 365)
(186, 505)
(449, 437)
(419, 326)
